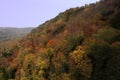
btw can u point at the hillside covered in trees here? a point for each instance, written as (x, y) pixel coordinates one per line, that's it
(81, 43)
(10, 33)
(9, 37)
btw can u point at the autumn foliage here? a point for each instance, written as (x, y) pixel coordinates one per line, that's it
(78, 44)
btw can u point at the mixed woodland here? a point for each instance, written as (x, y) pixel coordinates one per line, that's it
(82, 43)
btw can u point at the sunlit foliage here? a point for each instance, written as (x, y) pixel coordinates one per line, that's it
(79, 44)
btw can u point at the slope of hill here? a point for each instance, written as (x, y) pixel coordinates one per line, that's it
(79, 44)
(8, 33)
(9, 37)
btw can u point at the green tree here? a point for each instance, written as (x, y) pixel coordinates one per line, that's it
(73, 41)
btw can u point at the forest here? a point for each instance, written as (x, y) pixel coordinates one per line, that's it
(82, 43)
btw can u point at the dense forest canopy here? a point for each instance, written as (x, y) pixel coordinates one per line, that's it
(81, 43)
